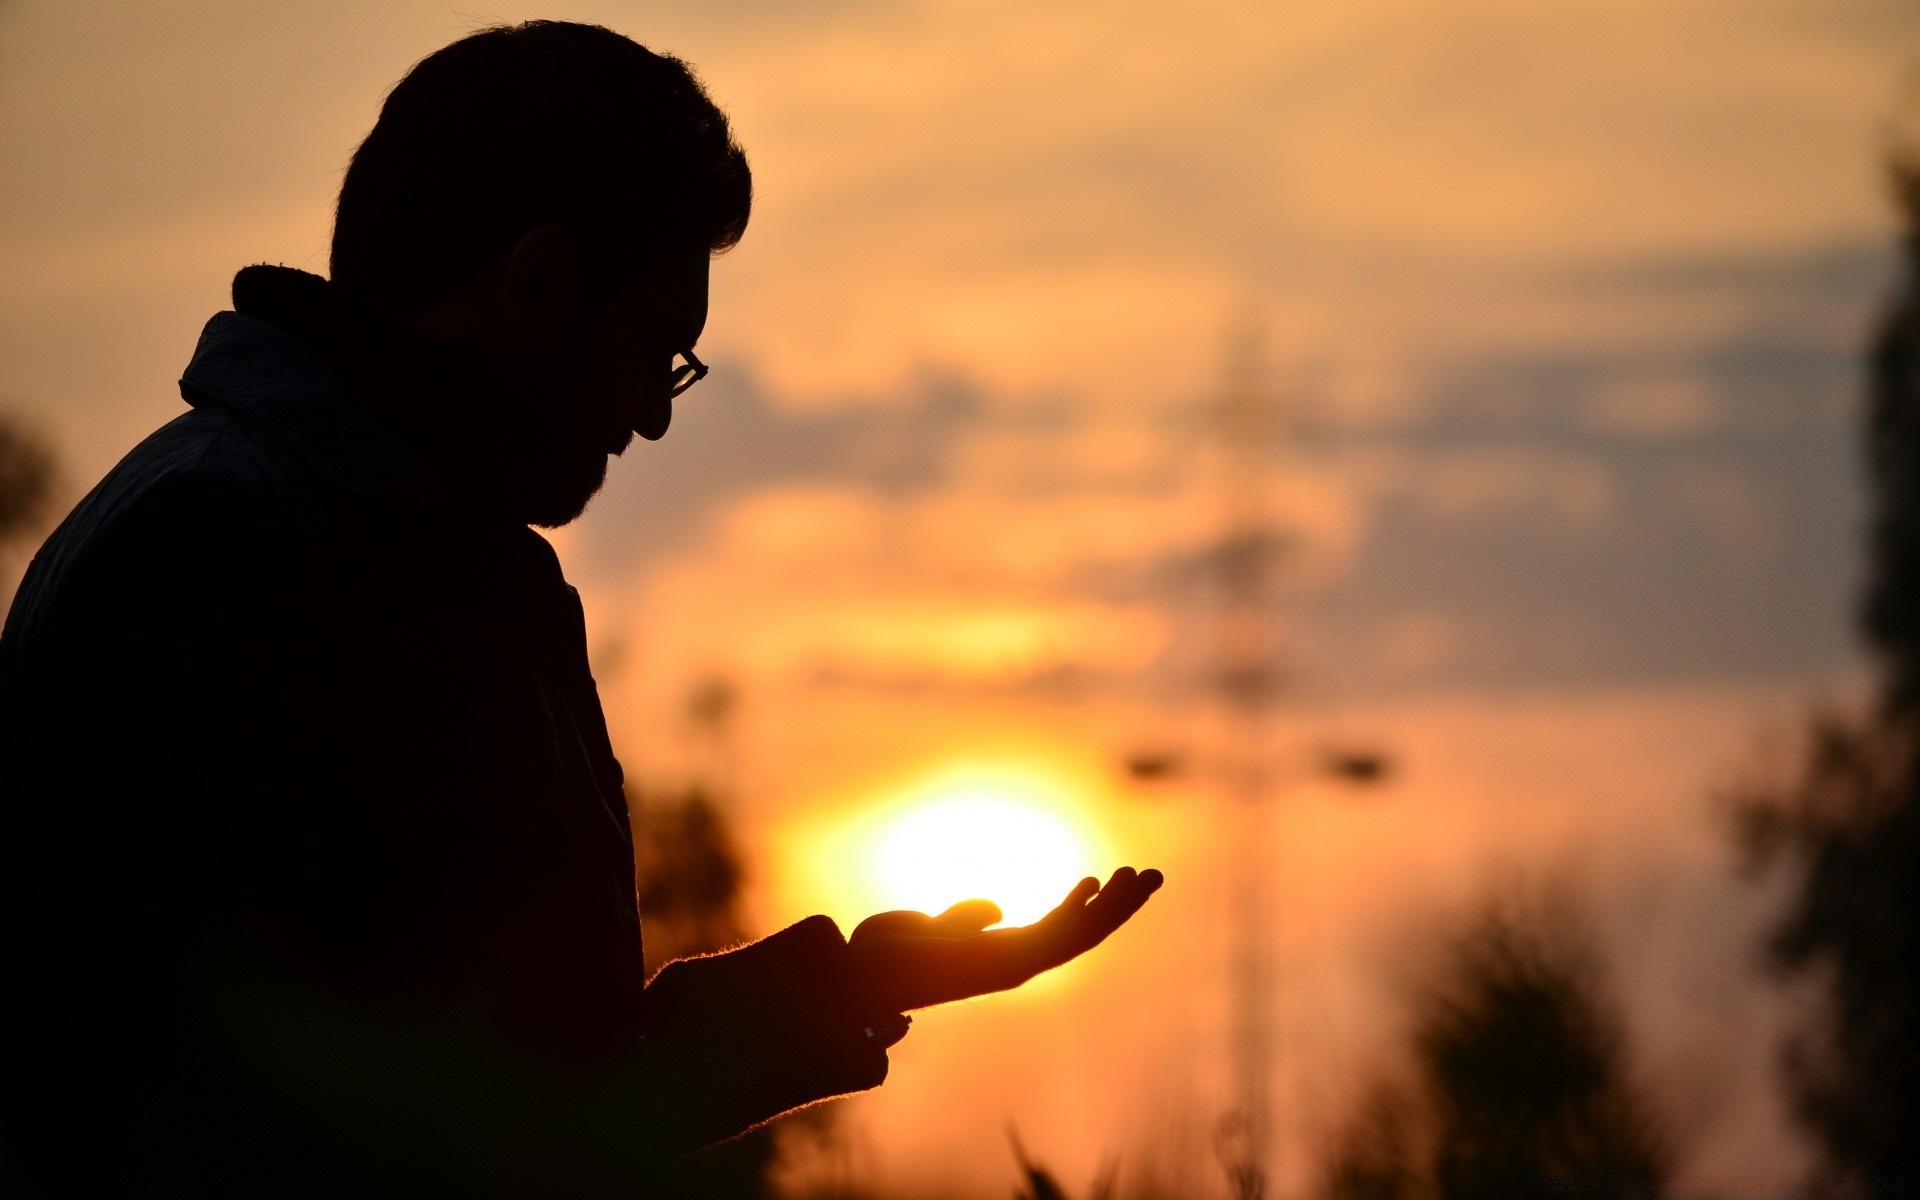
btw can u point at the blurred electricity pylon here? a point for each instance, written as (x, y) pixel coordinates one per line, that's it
(1247, 672)
(1248, 421)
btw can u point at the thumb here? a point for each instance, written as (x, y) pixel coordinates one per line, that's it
(971, 916)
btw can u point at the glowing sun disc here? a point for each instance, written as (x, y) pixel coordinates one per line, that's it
(980, 840)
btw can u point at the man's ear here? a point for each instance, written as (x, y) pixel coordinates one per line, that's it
(541, 294)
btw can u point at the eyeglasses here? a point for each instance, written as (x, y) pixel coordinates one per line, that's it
(685, 375)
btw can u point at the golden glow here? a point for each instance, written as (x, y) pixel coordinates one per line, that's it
(1003, 836)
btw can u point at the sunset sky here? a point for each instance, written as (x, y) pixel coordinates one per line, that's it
(1565, 303)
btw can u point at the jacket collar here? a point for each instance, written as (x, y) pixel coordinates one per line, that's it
(367, 400)
(279, 384)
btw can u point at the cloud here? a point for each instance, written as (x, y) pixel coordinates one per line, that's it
(1057, 208)
(1619, 512)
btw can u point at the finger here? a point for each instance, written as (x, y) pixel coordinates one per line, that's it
(1076, 900)
(1059, 935)
(1068, 933)
(1070, 911)
(1090, 913)
(961, 920)
(1123, 896)
(899, 923)
(1120, 890)
(971, 916)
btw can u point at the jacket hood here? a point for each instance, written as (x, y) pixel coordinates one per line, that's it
(349, 390)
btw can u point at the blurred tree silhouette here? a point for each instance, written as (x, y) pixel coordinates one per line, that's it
(27, 483)
(1038, 1183)
(1892, 608)
(1846, 823)
(1381, 1156)
(690, 875)
(1517, 1084)
(26, 479)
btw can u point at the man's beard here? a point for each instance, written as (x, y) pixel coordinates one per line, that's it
(530, 455)
(556, 487)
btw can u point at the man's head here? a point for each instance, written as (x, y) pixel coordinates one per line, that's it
(549, 193)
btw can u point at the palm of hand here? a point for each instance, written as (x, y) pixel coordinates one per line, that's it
(906, 960)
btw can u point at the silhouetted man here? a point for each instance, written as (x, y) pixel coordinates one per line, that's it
(317, 868)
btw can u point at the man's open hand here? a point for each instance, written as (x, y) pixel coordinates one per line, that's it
(906, 960)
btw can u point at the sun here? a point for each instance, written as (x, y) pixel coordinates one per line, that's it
(1009, 839)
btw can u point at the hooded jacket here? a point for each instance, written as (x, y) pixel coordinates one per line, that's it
(316, 861)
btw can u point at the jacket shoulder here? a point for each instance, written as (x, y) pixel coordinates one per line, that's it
(199, 484)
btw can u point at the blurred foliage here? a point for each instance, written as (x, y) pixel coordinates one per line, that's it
(1847, 828)
(1381, 1156)
(26, 480)
(1844, 825)
(1515, 1083)
(1891, 614)
(1037, 1183)
(690, 874)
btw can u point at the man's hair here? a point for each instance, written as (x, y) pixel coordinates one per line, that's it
(542, 123)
